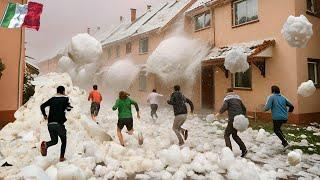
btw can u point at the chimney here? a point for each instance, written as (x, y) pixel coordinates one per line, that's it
(121, 18)
(88, 30)
(149, 7)
(133, 14)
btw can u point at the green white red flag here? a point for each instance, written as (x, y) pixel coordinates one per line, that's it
(18, 15)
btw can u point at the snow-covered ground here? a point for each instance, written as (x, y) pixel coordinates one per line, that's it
(202, 157)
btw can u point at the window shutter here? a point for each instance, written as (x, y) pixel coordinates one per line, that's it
(309, 4)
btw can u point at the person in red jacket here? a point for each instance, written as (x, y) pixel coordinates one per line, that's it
(96, 99)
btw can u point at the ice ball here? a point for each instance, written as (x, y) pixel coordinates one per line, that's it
(294, 158)
(240, 123)
(307, 89)
(236, 61)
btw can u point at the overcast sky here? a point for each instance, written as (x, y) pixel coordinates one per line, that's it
(62, 19)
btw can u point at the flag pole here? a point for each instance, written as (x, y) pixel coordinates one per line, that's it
(19, 70)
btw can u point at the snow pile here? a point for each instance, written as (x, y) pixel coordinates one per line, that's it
(240, 123)
(177, 58)
(121, 74)
(85, 49)
(226, 158)
(306, 89)
(236, 61)
(34, 172)
(211, 117)
(294, 158)
(65, 63)
(297, 31)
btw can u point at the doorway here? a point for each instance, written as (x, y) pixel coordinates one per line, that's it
(207, 87)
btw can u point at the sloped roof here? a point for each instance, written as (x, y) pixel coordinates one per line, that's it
(153, 19)
(250, 49)
(30, 61)
(199, 4)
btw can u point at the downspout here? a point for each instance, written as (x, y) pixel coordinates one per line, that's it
(19, 68)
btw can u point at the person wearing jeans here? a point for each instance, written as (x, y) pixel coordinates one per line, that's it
(58, 105)
(278, 105)
(178, 101)
(153, 99)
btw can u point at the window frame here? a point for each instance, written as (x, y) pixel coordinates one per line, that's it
(316, 63)
(234, 2)
(242, 88)
(146, 39)
(201, 14)
(128, 48)
(316, 8)
(143, 75)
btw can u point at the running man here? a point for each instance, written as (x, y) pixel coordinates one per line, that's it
(278, 105)
(153, 99)
(96, 99)
(123, 105)
(58, 105)
(178, 101)
(233, 104)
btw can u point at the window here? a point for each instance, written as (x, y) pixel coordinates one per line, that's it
(245, 11)
(203, 20)
(242, 80)
(313, 6)
(118, 51)
(128, 48)
(142, 81)
(109, 52)
(143, 45)
(313, 71)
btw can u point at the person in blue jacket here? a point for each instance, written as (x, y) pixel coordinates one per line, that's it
(279, 110)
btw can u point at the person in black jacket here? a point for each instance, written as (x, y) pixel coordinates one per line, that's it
(58, 105)
(178, 101)
(233, 104)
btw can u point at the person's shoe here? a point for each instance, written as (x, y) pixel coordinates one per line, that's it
(62, 159)
(43, 148)
(185, 134)
(181, 144)
(140, 138)
(244, 153)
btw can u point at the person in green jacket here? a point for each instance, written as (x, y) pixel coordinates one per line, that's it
(123, 104)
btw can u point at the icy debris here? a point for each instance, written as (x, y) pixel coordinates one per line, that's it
(120, 174)
(240, 123)
(34, 172)
(306, 89)
(303, 136)
(85, 49)
(65, 63)
(43, 162)
(294, 158)
(261, 135)
(52, 172)
(66, 172)
(142, 177)
(101, 171)
(304, 142)
(297, 31)
(121, 74)
(182, 64)
(211, 117)
(226, 158)
(94, 130)
(236, 61)
(171, 156)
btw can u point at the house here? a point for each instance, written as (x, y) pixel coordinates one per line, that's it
(11, 82)
(255, 25)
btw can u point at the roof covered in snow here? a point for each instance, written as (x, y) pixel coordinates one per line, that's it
(249, 48)
(32, 62)
(199, 4)
(153, 19)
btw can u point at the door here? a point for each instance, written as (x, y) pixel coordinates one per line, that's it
(207, 87)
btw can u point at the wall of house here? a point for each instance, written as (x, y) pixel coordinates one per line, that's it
(310, 104)
(280, 69)
(49, 65)
(11, 52)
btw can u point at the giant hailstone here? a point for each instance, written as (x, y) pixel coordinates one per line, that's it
(177, 58)
(226, 158)
(297, 31)
(306, 89)
(65, 63)
(236, 61)
(121, 74)
(85, 49)
(294, 158)
(240, 123)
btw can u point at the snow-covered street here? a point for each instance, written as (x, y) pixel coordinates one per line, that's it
(89, 156)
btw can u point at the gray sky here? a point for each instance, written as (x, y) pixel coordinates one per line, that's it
(62, 19)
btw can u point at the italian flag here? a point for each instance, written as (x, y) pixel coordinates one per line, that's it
(14, 15)
(18, 15)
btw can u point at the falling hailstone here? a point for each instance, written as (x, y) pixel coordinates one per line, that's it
(236, 61)
(297, 31)
(240, 123)
(306, 89)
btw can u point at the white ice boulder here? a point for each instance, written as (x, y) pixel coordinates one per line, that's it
(211, 117)
(121, 74)
(43, 162)
(226, 158)
(236, 61)
(294, 158)
(240, 123)
(101, 171)
(66, 172)
(306, 89)
(85, 49)
(65, 63)
(171, 156)
(94, 130)
(52, 173)
(34, 172)
(297, 31)
(261, 135)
